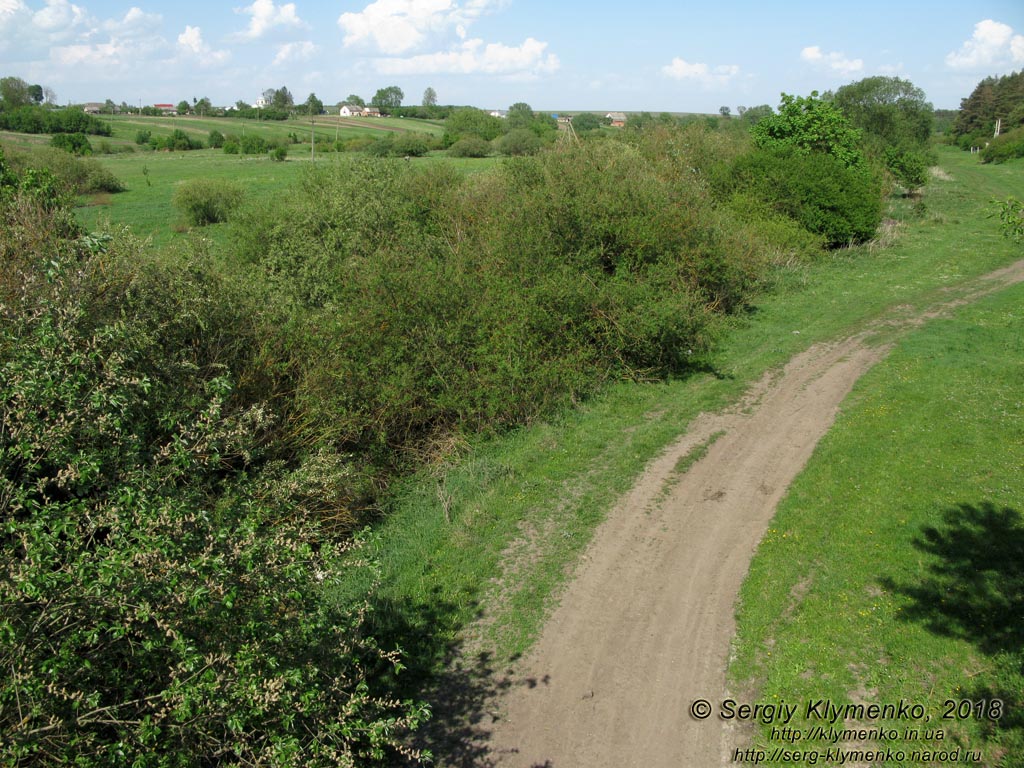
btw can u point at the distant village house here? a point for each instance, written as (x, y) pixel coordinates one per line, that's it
(618, 119)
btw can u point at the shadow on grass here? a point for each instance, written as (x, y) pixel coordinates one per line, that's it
(463, 691)
(974, 591)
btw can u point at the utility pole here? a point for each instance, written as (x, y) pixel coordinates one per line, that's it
(312, 139)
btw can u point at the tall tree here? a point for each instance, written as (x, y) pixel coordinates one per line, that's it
(313, 105)
(14, 92)
(430, 97)
(388, 98)
(35, 93)
(355, 100)
(889, 108)
(282, 99)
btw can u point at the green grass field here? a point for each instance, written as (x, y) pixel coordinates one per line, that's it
(494, 534)
(150, 176)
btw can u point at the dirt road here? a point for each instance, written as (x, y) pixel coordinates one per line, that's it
(644, 628)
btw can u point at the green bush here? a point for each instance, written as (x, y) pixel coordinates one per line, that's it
(280, 154)
(75, 143)
(519, 141)
(817, 190)
(1007, 146)
(164, 603)
(143, 136)
(207, 201)
(76, 175)
(254, 145)
(470, 146)
(908, 165)
(231, 147)
(215, 139)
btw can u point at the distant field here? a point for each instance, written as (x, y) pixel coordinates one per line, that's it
(150, 177)
(327, 127)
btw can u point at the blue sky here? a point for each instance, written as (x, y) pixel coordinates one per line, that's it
(656, 56)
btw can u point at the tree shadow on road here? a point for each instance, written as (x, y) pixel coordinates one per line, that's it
(464, 691)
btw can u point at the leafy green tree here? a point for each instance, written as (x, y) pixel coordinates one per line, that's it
(35, 94)
(109, 106)
(242, 106)
(313, 105)
(756, 114)
(586, 122)
(890, 108)
(203, 106)
(183, 107)
(520, 115)
(470, 121)
(725, 111)
(14, 92)
(355, 100)
(430, 97)
(896, 120)
(282, 99)
(810, 124)
(388, 98)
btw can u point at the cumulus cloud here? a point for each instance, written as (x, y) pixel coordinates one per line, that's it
(993, 44)
(136, 23)
(698, 72)
(301, 51)
(191, 43)
(266, 16)
(837, 62)
(475, 57)
(399, 26)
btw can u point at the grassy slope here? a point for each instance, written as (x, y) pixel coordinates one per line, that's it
(539, 492)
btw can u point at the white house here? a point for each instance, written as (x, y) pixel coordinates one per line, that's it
(261, 103)
(347, 110)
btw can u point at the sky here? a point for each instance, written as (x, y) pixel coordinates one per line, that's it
(673, 56)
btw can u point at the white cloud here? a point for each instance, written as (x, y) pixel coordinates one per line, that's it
(135, 21)
(993, 44)
(399, 26)
(266, 16)
(191, 43)
(302, 51)
(474, 57)
(59, 18)
(701, 73)
(837, 62)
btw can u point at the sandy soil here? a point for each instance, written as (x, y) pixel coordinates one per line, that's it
(645, 626)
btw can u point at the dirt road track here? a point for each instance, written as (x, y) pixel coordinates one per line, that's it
(645, 626)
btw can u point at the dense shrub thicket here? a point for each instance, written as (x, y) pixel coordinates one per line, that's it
(162, 560)
(825, 197)
(75, 175)
(1006, 146)
(35, 119)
